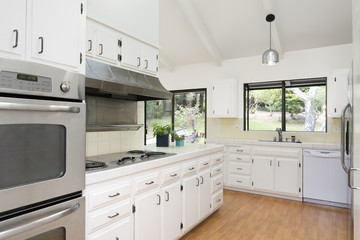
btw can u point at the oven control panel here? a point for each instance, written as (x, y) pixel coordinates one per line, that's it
(25, 82)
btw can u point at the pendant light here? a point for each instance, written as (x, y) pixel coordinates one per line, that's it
(270, 56)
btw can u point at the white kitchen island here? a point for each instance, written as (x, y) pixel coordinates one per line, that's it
(158, 199)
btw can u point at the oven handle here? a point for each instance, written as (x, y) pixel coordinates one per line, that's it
(34, 223)
(41, 108)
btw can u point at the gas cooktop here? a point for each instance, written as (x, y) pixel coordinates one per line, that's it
(114, 160)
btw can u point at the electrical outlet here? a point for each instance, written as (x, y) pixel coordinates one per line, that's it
(336, 129)
(236, 127)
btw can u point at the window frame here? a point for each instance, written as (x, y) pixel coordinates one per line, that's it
(283, 85)
(173, 106)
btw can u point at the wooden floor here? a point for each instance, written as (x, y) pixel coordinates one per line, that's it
(248, 216)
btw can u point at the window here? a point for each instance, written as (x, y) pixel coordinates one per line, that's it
(186, 112)
(292, 105)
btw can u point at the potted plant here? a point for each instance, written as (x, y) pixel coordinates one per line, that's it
(179, 140)
(162, 134)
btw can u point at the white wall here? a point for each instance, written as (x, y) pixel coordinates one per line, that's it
(309, 63)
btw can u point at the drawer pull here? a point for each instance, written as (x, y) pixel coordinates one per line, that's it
(149, 183)
(218, 160)
(115, 195)
(218, 170)
(239, 181)
(198, 182)
(191, 168)
(167, 196)
(117, 214)
(219, 200)
(159, 200)
(173, 175)
(239, 150)
(218, 183)
(239, 158)
(206, 164)
(239, 168)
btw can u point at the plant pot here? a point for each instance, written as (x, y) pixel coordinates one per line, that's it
(162, 140)
(179, 143)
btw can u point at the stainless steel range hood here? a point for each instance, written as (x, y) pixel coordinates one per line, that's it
(103, 79)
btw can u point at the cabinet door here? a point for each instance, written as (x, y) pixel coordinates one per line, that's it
(131, 52)
(147, 215)
(150, 59)
(190, 201)
(12, 28)
(107, 46)
(204, 193)
(338, 87)
(263, 173)
(57, 36)
(287, 176)
(224, 98)
(171, 211)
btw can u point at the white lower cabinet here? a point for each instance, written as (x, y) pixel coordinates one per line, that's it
(204, 193)
(147, 215)
(286, 177)
(190, 201)
(119, 230)
(263, 173)
(171, 211)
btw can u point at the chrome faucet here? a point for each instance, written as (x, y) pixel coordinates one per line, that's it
(280, 134)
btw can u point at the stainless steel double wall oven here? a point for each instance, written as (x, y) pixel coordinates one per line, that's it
(42, 152)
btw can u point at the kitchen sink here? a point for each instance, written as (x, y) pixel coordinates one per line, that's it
(269, 140)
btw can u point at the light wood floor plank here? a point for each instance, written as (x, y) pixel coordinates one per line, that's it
(253, 217)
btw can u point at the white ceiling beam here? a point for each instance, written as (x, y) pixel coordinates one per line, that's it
(201, 30)
(274, 32)
(164, 60)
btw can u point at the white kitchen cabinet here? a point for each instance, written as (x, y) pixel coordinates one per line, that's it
(225, 98)
(139, 56)
(136, 18)
(190, 201)
(171, 211)
(204, 193)
(338, 92)
(12, 28)
(57, 31)
(147, 215)
(263, 173)
(286, 180)
(119, 230)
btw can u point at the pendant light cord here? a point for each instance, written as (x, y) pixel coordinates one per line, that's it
(270, 35)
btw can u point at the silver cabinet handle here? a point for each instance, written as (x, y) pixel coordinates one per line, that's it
(239, 158)
(115, 215)
(101, 49)
(29, 224)
(149, 183)
(239, 181)
(206, 164)
(219, 200)
(146, 64)
(115, 195)
(218, 160)
(40, 108)
(173, 175)
(218, 183)
(192, 168)
(159, 200)
(198, 182)
(202, 180)
(218, 170)
(90, 45)
(41, 39)
(139, 61)
(278, 163)
(239, 150)
(342, 148)
(167, 196)
(239, 168)
(16, 38)
(270, 163)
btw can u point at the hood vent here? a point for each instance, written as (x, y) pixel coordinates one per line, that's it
(110, 81)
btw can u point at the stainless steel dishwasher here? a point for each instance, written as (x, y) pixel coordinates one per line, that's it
(324, 180)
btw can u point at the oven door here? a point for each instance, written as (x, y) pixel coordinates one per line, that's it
(42, 150)
(58, 222)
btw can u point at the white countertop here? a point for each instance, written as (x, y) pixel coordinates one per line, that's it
(182, 153)
(307, 145)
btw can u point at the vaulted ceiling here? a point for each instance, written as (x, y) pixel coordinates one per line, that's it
(196, 31)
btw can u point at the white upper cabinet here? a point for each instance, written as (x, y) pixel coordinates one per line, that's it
(136, 18)
(225, 98)
(56, 32)
(337, 93)
(12, 28)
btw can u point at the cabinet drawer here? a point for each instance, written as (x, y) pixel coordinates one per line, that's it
(238, 167)
(108, 214)
(217, 183)
(147, 182)
(217, 169)
(170, 175)
(189, 168)
(217, 159)
(107, 195)
(240, 157)
(204, 163)
(119, 230)
(239, 149)
(216, 200)
(239, 181)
